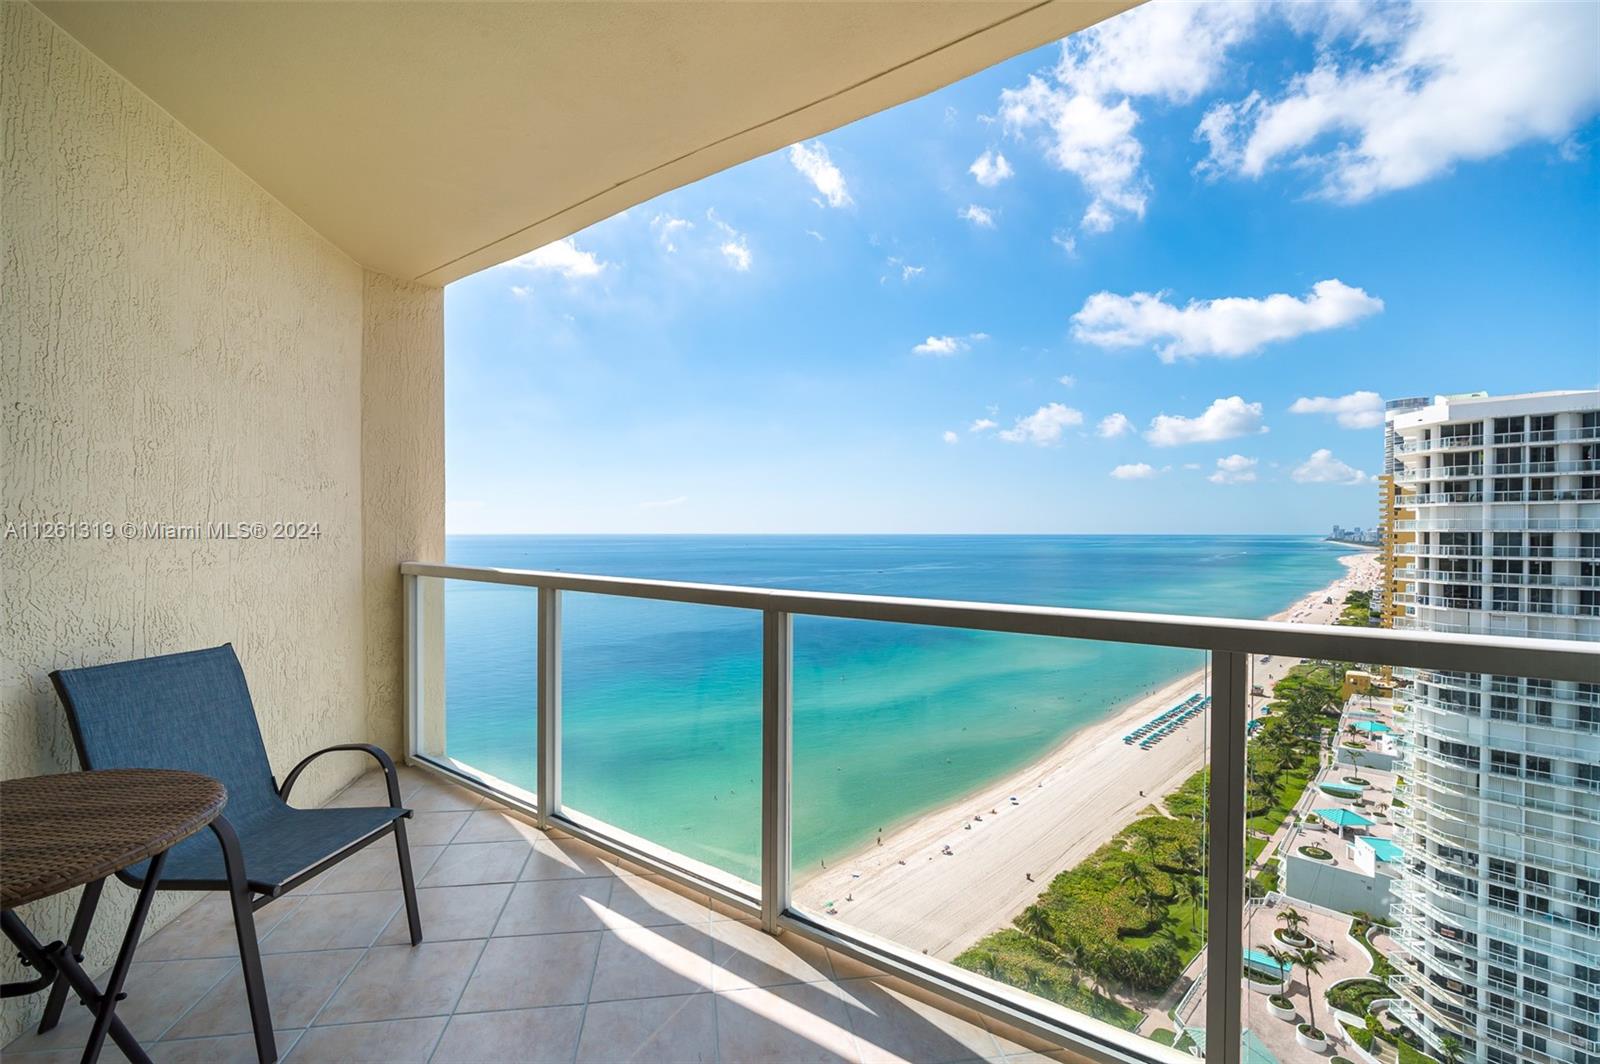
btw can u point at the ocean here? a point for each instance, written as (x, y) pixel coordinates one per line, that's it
(662, 701)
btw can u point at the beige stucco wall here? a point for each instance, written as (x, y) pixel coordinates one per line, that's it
(402, 473)
(179, 347)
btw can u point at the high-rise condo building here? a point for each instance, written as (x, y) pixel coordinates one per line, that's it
(1494, 527)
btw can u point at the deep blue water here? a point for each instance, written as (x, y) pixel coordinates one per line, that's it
(662, 701)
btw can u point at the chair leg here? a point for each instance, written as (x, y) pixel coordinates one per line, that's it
(412, 916)
(75, 939)
(244, 925)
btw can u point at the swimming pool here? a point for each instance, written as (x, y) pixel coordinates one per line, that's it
(1387, 850)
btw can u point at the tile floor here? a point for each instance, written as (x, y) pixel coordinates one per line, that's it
(538, 948)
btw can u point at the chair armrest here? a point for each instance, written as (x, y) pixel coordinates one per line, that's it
(391, 777)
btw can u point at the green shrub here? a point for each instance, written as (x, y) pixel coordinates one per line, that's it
(1357, 997)
(1360, 1036)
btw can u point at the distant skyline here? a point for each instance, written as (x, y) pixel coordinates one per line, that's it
(1156, 279)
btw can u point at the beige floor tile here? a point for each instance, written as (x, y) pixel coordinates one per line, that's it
(892, 1026)
(205, 929)
(298, 985)
(679, 1030)
(793, 1023)
(368, 791)
(450, 913)
(224, 1049)
(747, 956)
(384, 1042)
(333, 921)
(532, 972)
(850, 968)
(158, 993)
(552, 905)
(463, 863)
(375, 868)
(566, 859)
(528, 1036)
(436, 796)
(639, 962)
(1020, 1045)
(435, 829)
(495, 825)
(402, 982)
(652, 901)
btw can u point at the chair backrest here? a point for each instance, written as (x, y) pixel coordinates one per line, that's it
(188, 711)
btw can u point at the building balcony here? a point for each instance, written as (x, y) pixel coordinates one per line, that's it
(1444, 443)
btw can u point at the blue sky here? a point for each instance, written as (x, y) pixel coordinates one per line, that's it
(1232, 225)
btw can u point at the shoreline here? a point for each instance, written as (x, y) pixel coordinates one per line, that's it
(1089, 777)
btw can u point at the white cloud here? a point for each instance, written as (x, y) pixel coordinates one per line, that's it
(990, 169)
(1234, 469)
(941, 346)
(1113, 425)
(1458, 82)
(737, 252)
(666, 228)
(561, 257)
(1228, 327)
(1044, 426)
(983, 424)
(819, 236)
(945, 346)
(1224, 419)
(1066, 242)
(982, 217)
(1084, 109)
(951, 437)
(663, 504)
(1134, 471)
(1358, 410)
(908, 271)
(734, 247)
(1067, 380)
(812, 160)
(1323, 468)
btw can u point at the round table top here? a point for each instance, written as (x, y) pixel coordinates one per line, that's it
(62, 831)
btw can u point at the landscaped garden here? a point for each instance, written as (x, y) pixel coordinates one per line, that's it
(1130, 917)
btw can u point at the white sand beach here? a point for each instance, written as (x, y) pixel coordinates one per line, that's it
(1069, 802)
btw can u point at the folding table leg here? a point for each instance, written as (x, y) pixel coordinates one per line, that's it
(119, 970)
(75, 939)
(61, 960)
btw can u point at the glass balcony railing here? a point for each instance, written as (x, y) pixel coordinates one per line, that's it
(986, 827)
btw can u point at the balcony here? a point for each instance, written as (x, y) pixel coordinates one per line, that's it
(534, 938)
(1443, 443)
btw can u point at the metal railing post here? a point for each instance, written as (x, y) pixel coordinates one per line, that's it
(549, 704)
(411, 668)
(777, 729)
(1225, 847)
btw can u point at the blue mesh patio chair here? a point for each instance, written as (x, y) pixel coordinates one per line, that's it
(192, 711)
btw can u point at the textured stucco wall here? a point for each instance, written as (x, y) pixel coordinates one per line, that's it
(177, 346)
(402, 473)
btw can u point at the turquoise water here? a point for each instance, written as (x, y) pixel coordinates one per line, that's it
(662, 701)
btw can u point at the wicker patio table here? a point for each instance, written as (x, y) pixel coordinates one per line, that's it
(74, 829)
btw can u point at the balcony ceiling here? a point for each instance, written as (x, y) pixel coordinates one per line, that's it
(430, 140)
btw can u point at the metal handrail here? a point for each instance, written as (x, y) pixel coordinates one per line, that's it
(1230, 642)
(1554, 659)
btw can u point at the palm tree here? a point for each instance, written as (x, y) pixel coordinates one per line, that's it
(1285, 960)
(1035, 922)
(1292, 920)
(1192, 889)
(1310, 962)
(1450, 1049)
